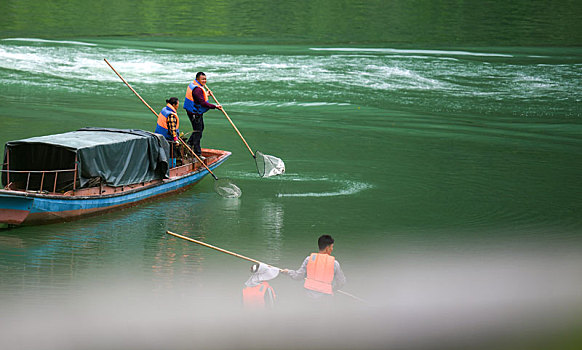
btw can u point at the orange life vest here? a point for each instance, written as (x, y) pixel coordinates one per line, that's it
(320, 272)
(189, 103)
(255, 296)
(162, 126)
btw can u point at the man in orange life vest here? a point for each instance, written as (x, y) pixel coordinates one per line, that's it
(196, 104)
(258, 293)
(321, 271)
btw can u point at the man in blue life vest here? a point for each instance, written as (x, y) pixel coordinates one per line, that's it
(196, 104)
(258, 294)
(169, 126)
(321, 271)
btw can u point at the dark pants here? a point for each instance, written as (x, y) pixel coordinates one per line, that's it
(198, 126)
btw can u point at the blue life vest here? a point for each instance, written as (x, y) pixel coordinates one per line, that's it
(162, 127)
(189, 103)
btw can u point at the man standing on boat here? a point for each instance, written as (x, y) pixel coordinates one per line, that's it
(196, 104)
(168, 126)
(321, 271)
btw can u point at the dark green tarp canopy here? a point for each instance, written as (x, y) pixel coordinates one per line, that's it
(117, 156)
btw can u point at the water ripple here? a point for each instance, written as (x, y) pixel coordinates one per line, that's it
(408, 51)
(35, 40)
(349, 188)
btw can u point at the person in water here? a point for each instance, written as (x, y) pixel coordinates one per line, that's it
(169, 127)
(257, 293)
(321, 271)
(196, 104)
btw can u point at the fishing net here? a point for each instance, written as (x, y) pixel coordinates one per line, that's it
(226, 188)
(269, 165)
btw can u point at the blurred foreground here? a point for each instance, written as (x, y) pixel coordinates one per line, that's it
(442, 300)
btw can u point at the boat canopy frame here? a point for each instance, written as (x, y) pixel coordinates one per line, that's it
(82, 158)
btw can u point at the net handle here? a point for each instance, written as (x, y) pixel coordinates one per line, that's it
(231, 123)
(156, 114)
(245, 258)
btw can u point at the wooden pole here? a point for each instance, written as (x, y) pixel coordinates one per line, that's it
(215, 248)
(195, 155)
(129, 86)
(156, 114)
(74, 174)
(245, 258)
(7, 167)
(231, 123)
(55, 187)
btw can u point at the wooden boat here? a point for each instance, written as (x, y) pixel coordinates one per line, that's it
(92, 170)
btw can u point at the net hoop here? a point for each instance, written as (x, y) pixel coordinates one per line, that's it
(226, 188)
(268, 166)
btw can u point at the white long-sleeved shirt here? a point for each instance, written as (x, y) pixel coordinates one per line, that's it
(339, 279)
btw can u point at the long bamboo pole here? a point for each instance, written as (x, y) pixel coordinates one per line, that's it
(195, 155)
(216, 248)
(245, 258)
(129, 86)
(156, 114)
(231, 123)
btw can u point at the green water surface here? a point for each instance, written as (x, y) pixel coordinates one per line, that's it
(433, 140)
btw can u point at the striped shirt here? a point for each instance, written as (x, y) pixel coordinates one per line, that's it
(172, 123)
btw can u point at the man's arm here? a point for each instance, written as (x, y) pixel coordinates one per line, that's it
(301, 273)
(198, 96)
(339, 279)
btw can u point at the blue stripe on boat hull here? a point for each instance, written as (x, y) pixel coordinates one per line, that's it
(35, 208)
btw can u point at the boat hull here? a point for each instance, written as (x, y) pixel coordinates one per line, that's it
(14, 209)
(24, 208)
